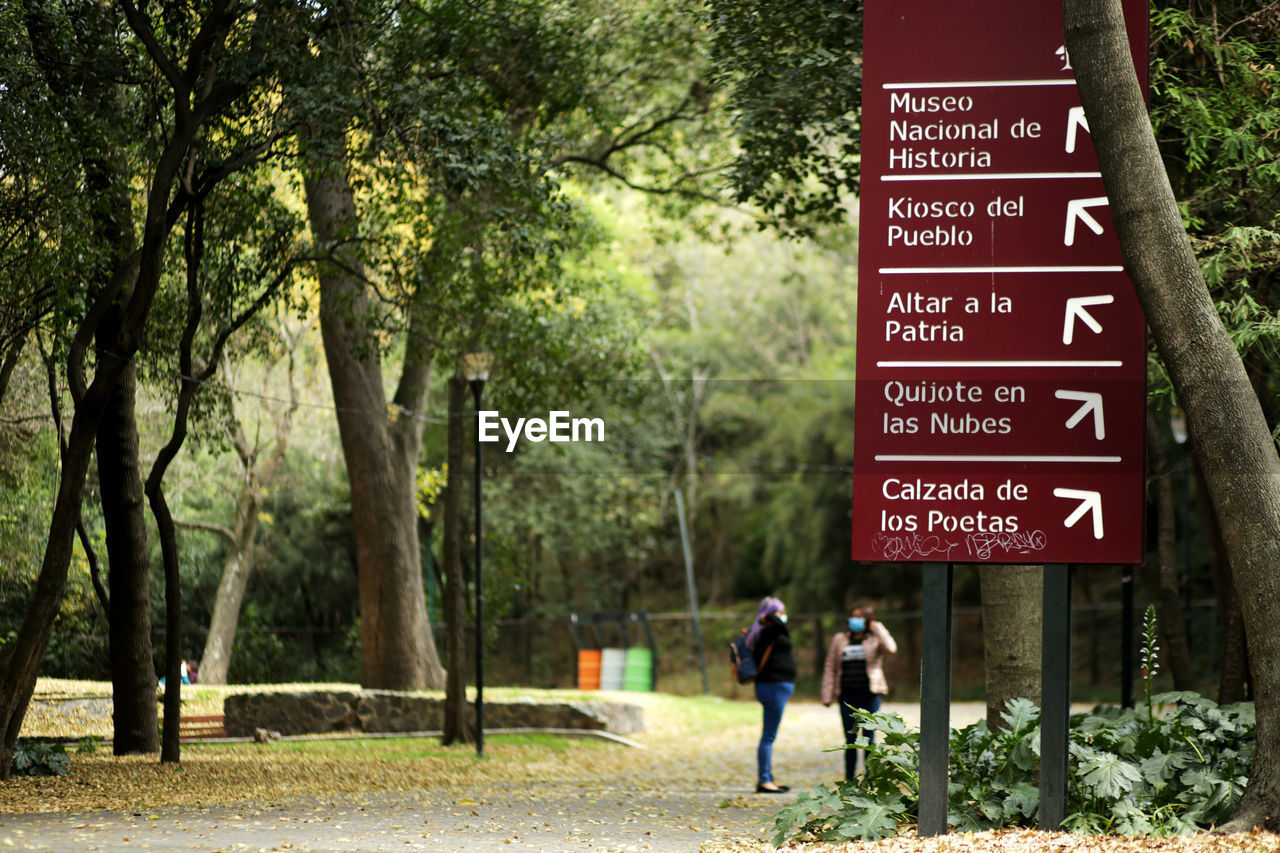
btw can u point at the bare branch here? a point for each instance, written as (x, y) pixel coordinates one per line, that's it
(208, 527)
(95, 574)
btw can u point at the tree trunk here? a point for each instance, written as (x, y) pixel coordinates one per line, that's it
(12, 353)
(1161, 579)
(221, 639)
(381, 453)
(98, 129)
(256, 474)
(21, 658)
(1012, 607)
(1235, 447)
(458, 726)
(1233, 681)
(133, 673)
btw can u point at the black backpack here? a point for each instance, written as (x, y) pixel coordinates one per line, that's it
(742, 662)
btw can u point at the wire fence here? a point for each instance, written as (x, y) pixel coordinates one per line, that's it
(543, 653)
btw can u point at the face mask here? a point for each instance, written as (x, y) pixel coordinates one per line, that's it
(857, 624)
(782, 617)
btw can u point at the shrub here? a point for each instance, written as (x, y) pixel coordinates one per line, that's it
(1178, 765)
(36, 758)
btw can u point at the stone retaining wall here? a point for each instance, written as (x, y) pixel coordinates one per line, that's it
(321, 712)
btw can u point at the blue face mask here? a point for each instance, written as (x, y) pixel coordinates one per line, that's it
(857, 624)
(782, 617)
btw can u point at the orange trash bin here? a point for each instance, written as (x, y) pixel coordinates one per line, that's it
(588, 669)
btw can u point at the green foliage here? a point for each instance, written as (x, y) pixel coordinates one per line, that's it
(37, 758)
(794, 75)
(301, 600)
(1215, 71)
(89, 744)
(1183, 768)
(1213, 81)
(430, 485)
(304, 602)
(1180, 769)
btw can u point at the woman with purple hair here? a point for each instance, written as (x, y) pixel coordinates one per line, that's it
(770, 645)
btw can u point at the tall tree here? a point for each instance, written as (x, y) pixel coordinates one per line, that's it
(515, 89)
(198, 68)
(100, 125)
(381, 440)
(1226, 423)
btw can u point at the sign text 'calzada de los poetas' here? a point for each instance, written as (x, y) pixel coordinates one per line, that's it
(1001, 350)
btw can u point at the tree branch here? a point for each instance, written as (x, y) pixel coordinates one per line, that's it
(142, 28)
(208, 527)
(95, 575)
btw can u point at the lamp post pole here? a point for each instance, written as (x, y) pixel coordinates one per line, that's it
(477, 386)
(476, 368)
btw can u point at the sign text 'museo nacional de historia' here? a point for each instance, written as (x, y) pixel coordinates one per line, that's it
(1001, 350)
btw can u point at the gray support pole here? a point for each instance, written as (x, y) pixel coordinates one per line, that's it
(935, 698)
(693, 592)
(1055, 689)
(1126, 637)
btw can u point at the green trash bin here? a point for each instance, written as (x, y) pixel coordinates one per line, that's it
(638, 670)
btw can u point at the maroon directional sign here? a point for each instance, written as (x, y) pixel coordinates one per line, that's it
(1001, 350)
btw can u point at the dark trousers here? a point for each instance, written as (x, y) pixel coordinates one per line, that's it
(867, 701)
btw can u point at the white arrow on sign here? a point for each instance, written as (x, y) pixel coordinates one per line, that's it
(1089, 501)
(1076, 209)
(1075, 121)
(1092, 401)
(1077, 308)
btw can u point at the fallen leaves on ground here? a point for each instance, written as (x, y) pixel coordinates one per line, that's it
(694, 778)
(227, 773)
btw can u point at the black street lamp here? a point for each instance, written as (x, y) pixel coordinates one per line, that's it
(475, 366)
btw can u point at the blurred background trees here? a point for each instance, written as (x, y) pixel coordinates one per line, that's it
(606, 215)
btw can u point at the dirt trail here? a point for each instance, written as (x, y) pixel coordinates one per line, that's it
(677, 801)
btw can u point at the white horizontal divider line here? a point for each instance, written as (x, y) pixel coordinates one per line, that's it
(978, 457)
(1003, 363)
(976, 269)
(967, 84)
(992, 176)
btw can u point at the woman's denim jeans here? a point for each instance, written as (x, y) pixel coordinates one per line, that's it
(773, 696)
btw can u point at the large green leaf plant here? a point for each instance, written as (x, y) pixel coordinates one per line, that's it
(1177, 764)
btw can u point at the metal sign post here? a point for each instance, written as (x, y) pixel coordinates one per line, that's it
(935, 698)
(1055, 688)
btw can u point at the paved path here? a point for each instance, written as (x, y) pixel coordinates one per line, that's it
(676, 803)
